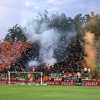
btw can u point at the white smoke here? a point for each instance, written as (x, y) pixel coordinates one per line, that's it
(33, 63)
(49, 40)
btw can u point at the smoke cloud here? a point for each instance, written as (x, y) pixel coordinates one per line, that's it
(48, 42)
(52, 36)
(33, 63)
(90, 50)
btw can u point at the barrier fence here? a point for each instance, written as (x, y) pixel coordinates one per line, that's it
(66, 83)
(38, 78)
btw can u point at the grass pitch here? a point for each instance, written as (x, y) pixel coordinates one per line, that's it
(49, 93)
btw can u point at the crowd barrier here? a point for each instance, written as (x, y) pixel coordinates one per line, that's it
(65, 83)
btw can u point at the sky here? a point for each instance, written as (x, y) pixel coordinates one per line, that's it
(22, 11)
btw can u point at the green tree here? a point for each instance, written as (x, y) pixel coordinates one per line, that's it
(15, 34)
(61, 22)
(93, 24)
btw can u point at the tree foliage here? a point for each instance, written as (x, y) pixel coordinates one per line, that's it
(15, 34)
(93, 24)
